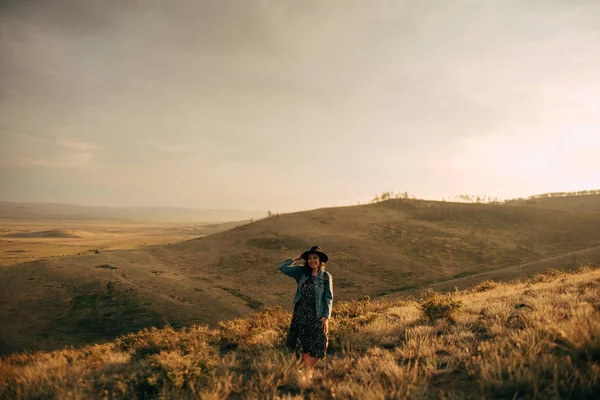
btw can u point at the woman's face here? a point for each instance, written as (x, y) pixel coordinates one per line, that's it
(314, 261)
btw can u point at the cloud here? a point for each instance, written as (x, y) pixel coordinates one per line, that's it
(45, 138)
(70, 161)
(26, 149)
(172, 148)
(75, 144)
(21, 134)
(157, 144)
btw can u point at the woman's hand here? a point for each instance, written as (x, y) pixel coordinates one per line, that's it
(325, 322)
(297, 258)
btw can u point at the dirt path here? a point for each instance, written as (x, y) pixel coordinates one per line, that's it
(570, 260)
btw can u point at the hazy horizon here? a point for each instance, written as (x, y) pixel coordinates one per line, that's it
(456, 198)
(119, 207)
(286, 105)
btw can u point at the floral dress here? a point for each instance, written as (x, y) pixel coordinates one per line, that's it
(306, 327)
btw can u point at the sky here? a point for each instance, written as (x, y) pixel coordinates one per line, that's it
(289, 105)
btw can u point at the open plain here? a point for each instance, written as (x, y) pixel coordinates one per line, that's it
(29, 239)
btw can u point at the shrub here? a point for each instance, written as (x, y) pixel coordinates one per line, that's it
(549, 275)
(584, 268)
(106, 266)
(437, 306)
(484, 286)
(247, 333)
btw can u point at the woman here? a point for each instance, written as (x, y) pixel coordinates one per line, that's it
(312, 304)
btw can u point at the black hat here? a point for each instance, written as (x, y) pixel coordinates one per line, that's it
(315, 250)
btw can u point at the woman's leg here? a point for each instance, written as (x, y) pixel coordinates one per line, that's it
(317, 345)
(293, 332)
(309, 361)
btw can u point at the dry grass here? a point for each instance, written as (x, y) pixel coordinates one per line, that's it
(534, 338)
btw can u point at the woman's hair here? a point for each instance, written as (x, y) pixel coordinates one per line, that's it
(308, 270)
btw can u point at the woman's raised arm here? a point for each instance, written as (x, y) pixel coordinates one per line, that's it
(295, 271)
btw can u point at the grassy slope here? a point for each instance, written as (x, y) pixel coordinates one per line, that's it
(534, 338)
(374, 249)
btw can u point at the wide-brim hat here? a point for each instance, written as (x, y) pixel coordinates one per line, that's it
(315, 250)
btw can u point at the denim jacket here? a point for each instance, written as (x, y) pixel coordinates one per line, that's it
(323, 286)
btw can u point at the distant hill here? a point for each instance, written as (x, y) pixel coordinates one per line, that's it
(586, 201)
(56, 233)
(171, 214)
(535, 338)
(374, 249)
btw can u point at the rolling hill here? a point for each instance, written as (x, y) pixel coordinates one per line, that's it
(42, 234)
(374, 249)
(567, 201)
